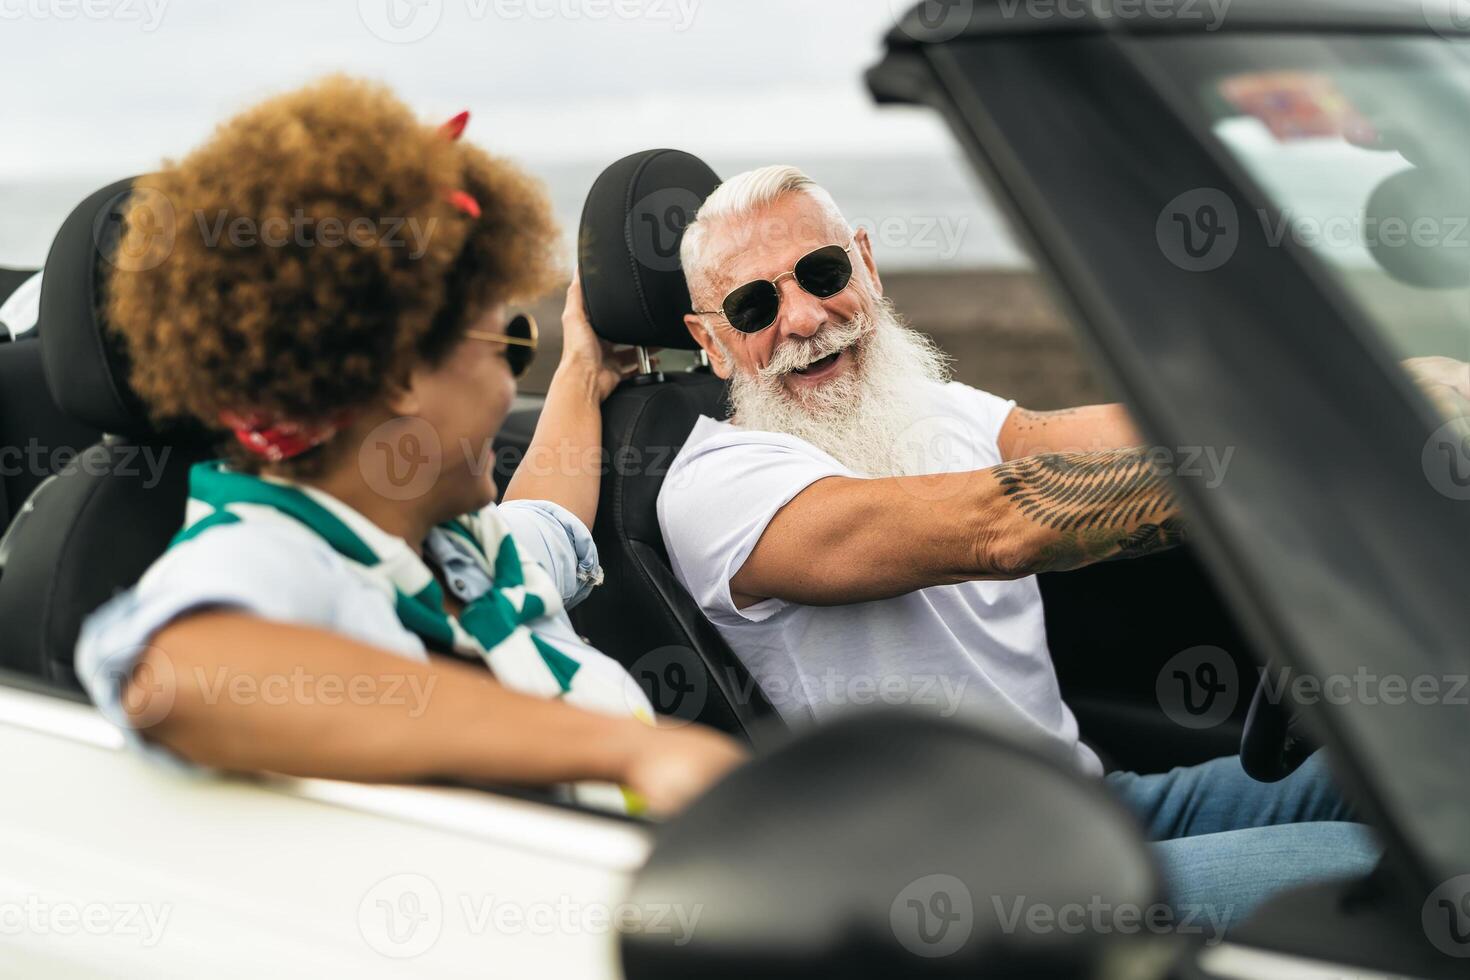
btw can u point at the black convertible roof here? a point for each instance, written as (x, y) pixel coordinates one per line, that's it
(938, 21)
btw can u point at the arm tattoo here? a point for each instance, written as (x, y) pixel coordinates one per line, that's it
(1027, 415)
(1101, 505)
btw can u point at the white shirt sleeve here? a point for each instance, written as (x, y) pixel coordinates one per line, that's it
(716, 503)
(986, 412)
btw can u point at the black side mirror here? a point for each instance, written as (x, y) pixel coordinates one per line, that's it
(895, 846)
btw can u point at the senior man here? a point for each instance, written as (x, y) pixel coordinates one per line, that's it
(861, 517)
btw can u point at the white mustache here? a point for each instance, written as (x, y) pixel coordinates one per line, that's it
(796, 354)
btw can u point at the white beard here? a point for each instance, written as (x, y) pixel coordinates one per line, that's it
(860, 417)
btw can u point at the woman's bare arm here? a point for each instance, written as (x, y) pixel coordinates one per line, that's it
(232, 691)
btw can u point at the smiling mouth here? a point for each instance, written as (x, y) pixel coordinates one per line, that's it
(819, 365)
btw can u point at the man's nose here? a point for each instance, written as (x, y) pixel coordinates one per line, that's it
(802, 314)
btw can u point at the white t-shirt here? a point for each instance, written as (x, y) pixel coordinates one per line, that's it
(975, 647)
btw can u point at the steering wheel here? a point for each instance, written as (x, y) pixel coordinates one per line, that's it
(1274, 743)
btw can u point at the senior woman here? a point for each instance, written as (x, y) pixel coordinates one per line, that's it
(335, 295)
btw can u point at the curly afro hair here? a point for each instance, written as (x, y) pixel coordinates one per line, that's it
(315, 258)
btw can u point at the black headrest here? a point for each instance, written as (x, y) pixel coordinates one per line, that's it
(628, 248)
(85, 364)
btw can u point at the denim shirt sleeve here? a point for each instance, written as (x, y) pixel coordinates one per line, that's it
(559, 542)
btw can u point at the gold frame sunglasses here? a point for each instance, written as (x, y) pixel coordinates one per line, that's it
(754, 306)
(520, 338)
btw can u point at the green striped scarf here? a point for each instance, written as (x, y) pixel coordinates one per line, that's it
(496, 628)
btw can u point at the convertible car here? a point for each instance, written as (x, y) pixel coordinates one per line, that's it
(1251, 214)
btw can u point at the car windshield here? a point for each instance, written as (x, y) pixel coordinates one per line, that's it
(1358, 144)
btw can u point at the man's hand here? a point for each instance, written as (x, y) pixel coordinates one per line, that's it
(1445, 381)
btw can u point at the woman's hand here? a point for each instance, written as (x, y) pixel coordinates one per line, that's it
(583, 352)
(670, 767)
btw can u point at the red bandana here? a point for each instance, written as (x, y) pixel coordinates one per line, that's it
(275, 439)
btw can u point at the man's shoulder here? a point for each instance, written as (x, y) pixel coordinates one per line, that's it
(713, 436)
(719, 456)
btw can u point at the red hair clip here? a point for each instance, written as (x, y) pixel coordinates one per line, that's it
(461, 200)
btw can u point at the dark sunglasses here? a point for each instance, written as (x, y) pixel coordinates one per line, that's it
(753, 307)
(520, 339)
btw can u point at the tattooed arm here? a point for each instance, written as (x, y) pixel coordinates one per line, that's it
(846, 540)
(1071, 430)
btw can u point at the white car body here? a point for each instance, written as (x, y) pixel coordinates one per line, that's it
(115, 866)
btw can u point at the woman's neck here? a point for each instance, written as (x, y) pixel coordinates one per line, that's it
(410, 520)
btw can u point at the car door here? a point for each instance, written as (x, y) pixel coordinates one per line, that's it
(1339, 550)
(116, 866)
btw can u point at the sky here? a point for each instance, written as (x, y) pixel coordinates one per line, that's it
(101, 86)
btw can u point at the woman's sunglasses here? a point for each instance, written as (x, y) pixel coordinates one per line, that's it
(520, 339)
(753, 307)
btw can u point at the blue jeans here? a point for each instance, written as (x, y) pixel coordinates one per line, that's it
(1227, 842)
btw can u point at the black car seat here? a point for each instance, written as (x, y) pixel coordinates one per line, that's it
(11, 280)
(628, 256)
(92, 529)
(36, 437)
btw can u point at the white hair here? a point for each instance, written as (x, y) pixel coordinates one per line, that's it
(742, 197)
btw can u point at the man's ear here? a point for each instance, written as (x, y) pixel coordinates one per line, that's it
(706, 340)
(865, 250)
